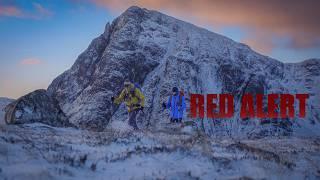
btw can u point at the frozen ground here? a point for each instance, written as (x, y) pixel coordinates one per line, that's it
(38, 151)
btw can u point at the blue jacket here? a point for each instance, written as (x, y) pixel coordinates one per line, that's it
(176, 110)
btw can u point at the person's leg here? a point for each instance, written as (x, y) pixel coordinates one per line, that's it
(171, 120)
(132, 119)
(180, 120)
(129, 118)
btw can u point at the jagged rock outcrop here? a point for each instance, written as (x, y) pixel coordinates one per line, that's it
(36, 106)
(3, 103)
(159, 52)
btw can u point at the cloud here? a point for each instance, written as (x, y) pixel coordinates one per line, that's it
(41, 10)
(294, 19)
(30, 61)
(10, 11)
(37, 12)
(266, 47)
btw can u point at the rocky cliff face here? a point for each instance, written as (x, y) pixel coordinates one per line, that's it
(159, 52)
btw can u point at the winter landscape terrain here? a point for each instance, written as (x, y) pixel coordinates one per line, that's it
(73, 131)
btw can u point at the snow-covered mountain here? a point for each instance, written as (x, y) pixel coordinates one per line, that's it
(159, 52)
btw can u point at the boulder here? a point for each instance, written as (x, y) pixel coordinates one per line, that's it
(36, 106)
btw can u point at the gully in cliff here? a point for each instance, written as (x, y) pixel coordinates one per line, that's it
(252, 106)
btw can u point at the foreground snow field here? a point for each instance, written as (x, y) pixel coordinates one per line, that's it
(38, 151)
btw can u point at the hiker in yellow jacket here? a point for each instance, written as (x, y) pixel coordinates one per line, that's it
(134, 100)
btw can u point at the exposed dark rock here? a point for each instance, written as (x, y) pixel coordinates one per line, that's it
(37, 106)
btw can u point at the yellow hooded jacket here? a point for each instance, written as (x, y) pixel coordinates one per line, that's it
(132, 97)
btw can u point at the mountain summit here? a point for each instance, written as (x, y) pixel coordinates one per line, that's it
(158, 51)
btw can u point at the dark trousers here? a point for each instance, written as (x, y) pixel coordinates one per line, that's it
(177, 120)
(132, 119)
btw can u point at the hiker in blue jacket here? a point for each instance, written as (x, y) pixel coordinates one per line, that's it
(176, 104)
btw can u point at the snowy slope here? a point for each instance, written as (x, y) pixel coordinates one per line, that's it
(38, 151)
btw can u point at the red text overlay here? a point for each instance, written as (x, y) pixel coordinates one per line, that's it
(251, 106)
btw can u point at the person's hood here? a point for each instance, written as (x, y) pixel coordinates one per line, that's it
(130, 87)
(175, 95)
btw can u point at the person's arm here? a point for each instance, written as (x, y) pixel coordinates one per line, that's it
(140, 96)
(169, 102)
(119, 99)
